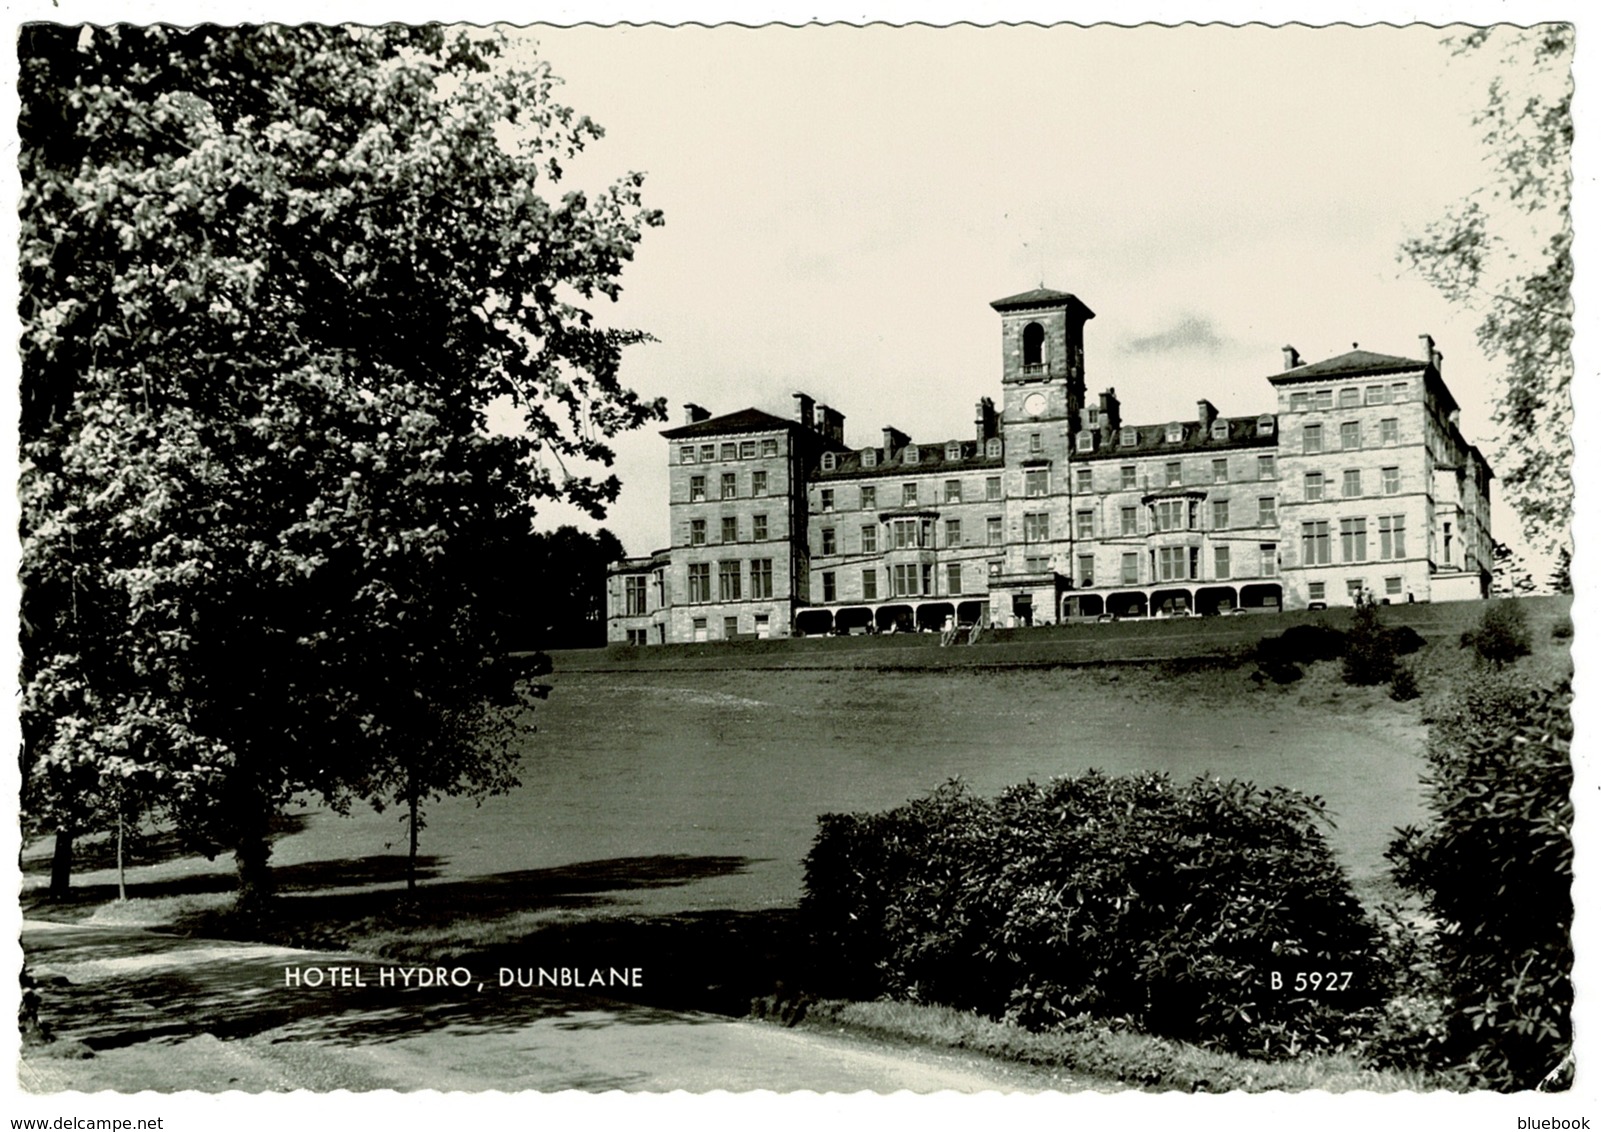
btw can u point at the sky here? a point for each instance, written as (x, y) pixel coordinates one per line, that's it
(843, 203)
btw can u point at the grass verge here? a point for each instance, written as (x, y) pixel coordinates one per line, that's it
(1130, 1059)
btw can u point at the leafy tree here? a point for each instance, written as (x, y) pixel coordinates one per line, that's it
(271, 280)
(552, 588)
(1506, 251)
(1502, 634)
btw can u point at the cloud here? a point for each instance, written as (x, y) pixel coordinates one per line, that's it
(1189, 335)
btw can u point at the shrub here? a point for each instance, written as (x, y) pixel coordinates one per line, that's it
(1495, 869)
(1114, 897)
(1562, 630)
(1306, 644)
(1502, 634)
(1369, 658)
(1404, 684)
(1403, 640)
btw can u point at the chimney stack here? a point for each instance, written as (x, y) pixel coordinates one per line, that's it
(984, 422)
(832, 423)
(1206, 413)
(694, 414)
(1111, 415)
(803, 409)
(894, 441)
(1292, 357)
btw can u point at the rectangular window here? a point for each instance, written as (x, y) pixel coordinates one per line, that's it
(1390, 431)
(697, 532)
(1035, 444)
(1315, 544)
(992, 531)
(869, 498)
(728, 581)
(953, 578)
(953, 491)
(1268, 556)
(1036, 482)
(730, 452)
(638, 636)
(758, 528)
(1390, 479)
(1350, 397)
(1353, 540)
(1172, 563)
(1086, 570)
(747, 450)
(1036, 564)
(1036, 526)
(992, 488)
(1350, 435)
(770, 447)
(1086, 480)
(1392, 536)
(1129, 520)
(758, 483)
(761, 577)
(1267, 511)
(730, 485)
(1127, 477)
(1131, 569)
(1374, 395)
(697, 489)
(686, 454)
(825, 499)
(869, 585)
(1264, 468)
(1175, 473)
(634, 596)
(1084, 523)
(1220, 562)
(1392, 586)
(730, 528)
(1399, 390)
(909, 495)
(1314, 591)
(1300, 402)
(1220, 471)
(870, 538)
(1314, 486)
(1174, 514)
(953, 532)
(906, 579)
(1323, 399)
(708, 453)
(907, 533)
(830, 586)
(730, 628)
(828, 541)
(1220, 514)
(1312, 439)
(700, 581)
(1351, 483)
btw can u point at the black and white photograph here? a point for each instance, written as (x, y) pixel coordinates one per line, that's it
(971, 562)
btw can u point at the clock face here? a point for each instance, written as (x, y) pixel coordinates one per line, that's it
(1034, 404)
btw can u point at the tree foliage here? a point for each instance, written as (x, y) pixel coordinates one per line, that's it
(1506, 251)
(1495, 868)
(271, 280)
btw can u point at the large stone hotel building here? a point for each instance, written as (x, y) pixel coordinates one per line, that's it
(1054, 508)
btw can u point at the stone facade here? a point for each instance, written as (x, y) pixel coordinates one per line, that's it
(1054, 508)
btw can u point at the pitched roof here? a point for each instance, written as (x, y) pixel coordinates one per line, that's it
(1349, 364)
(1041, 297)
(745, 420)
(931, 458)
(1151, 440)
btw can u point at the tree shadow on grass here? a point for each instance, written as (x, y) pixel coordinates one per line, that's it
(126, 986)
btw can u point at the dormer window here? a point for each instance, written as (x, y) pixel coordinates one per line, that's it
(1085, 441)
(1128, 437)
(1264, 425)
(953, 451)
(828, 461)
(909, 456)
(992, 447)
(1094, 417)
(1175, 433)
(869, 457)
(1220, 430)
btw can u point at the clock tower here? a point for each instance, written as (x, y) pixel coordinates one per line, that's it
(1042, 388)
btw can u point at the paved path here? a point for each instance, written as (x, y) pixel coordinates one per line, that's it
(166, 1013)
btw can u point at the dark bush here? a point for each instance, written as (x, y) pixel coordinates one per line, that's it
(1403, 640)
(1562, 630)
(1304, 644)
(1115, 897)
(1495, 869)
(1404, 684)
(1368, 656)
(1502, 634)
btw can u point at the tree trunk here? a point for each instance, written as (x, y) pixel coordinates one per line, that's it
(61, 862)
(252, 848)
(411, 856)
(122, 887)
